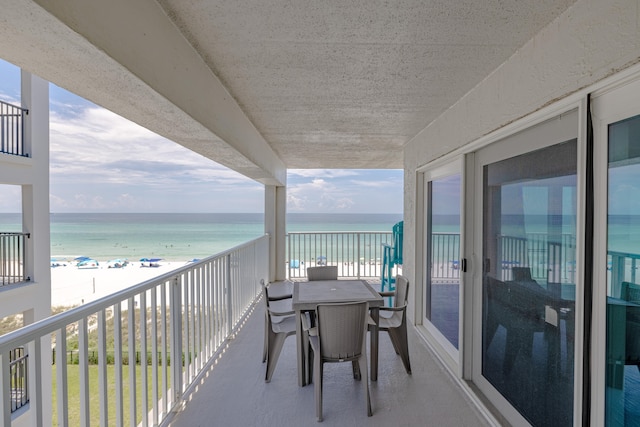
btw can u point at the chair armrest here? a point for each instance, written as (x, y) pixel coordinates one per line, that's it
(393, 308)
(306, 326)
(280, 297)
(280, 313)
(387, 294)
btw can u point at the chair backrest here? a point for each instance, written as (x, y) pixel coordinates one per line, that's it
(402, 291)
(342, 329)
(265, 292)
(630, 292)
(521, 274)
(398, 232)
(325, 272)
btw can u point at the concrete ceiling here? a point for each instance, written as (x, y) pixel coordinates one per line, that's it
(262, 85)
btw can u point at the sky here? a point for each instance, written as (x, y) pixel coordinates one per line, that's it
(101, 162)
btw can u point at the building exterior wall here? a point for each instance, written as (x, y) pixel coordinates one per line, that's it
(32, 299)
(592, 42)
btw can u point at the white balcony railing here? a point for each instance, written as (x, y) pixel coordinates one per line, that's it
(12, 257)
(185, 315)
(357, 254)
(12, 121)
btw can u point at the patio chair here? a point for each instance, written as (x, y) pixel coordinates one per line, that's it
(325, 272)
(278, 326)
(520, 308)
(631, 292)
(284, 299)
(394, 320)
(339, 336)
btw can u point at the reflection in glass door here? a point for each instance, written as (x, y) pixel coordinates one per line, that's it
(443, 255)
(528, 281)
(622, 401)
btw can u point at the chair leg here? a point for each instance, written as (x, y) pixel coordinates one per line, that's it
(317, 378)
(266, 339)
(362, 363)
(399, 336)
(310, 354)
(394, 340)
(276, 342)
(355, 366)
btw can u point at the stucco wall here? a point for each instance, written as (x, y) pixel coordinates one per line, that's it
(592, 40)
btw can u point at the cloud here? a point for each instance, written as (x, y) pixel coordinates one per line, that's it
(381, 184)
(100, 161)
(322, 173)
(10, 198)
(96, 144)
(345, 190)
(318, 195)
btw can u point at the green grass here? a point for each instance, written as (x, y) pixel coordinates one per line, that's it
(73, 387)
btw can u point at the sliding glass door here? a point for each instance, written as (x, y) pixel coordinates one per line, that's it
(443, 263)
(617, 284)
(527, 214)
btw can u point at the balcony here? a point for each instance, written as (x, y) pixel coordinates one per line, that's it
(208, 316)
(12, 257)
(12, 129)
(232, 391)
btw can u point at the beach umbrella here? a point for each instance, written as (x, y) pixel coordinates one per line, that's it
(150, 262)
(88, 263)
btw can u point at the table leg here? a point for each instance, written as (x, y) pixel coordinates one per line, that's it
(300, 350)
(375, 315)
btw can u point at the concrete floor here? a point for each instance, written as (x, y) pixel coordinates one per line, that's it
(232, 392)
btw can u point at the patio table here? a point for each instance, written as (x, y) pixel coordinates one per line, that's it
(307, 295)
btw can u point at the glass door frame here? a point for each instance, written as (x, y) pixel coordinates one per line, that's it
(450, 355)
(557, 127)
(609, 106)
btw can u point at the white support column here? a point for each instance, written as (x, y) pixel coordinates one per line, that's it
(35, 195)
(275, 212)
(35, 220)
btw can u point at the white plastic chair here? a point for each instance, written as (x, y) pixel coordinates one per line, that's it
(280, 302)
(278, 326)
(340, 336)
(325, 272)
(394, 320)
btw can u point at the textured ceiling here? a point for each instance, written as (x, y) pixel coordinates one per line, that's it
(264, 85)
(345, 84)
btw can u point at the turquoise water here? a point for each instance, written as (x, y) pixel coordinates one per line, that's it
(178, 237)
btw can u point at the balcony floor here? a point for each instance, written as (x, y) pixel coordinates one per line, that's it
(233, 392)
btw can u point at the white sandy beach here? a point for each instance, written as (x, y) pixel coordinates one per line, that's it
(71, 285)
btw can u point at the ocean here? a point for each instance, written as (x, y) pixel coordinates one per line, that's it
(182, 237)
(177, 236)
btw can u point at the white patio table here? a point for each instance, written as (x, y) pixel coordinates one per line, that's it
(307, 295)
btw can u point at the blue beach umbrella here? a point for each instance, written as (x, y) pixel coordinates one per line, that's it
(150, 262)
(88, 263)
